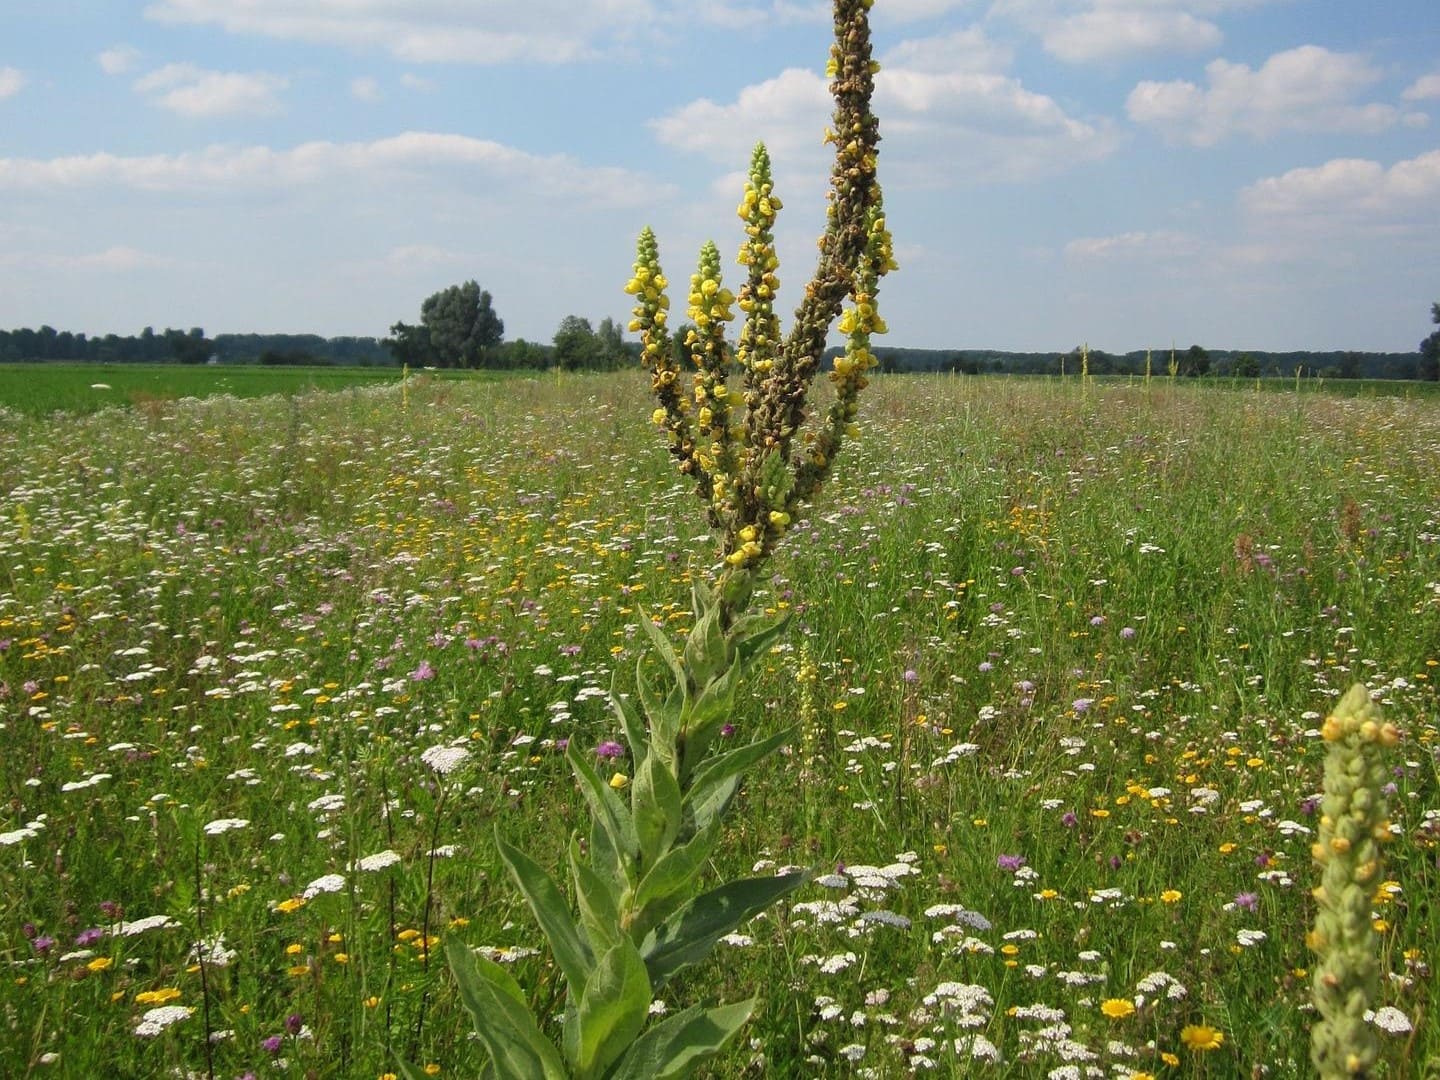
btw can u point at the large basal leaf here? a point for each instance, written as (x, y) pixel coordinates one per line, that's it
(687, 936)
(552, 912)
(612, 1010)
(675, 1047)
(517, 1049)
(705, 647)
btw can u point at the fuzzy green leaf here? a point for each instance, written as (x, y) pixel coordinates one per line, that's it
(673, 1048)
(655, 808)
(753, 635)
(710, 793)
(669, 881)
(663, 714)
(609, 811)
(552, 912)
(632, 723)
(598, 900)
(502, 1020)
(613, 1009)
(706, 650)
(666, 650)
(688, 935)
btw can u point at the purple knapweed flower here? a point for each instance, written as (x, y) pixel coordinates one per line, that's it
(609, 750)
(1010, 863)
(1069, 820)
(1097, 620)
(1081, 705)
(423, 672)
(293, 1023)
(911, 675)
(42, 944)
(272, 1044)
(727, 730)
(1127, 632)
(89, 937)
(1247, 900)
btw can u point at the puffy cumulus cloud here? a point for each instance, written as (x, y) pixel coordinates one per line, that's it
(118, 60)
(1114, 30)
(905, 11)
(1137, 246)
(962, 50)
(11, 80)
(428, 31)
(1349, 194)
(409, 157)
(193, 91)
(733, 15)
(1309, 88)
(1425, 88)
(940, 122)
(1083, 31)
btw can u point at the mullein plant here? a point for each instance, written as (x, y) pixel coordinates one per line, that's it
(1353, 826)
(736, 425)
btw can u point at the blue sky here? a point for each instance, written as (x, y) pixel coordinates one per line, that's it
(1239, 173)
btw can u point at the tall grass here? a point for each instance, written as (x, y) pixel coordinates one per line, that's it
(1061, 650)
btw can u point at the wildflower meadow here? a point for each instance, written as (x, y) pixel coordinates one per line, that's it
(277, 671)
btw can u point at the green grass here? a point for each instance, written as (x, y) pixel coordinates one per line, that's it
(42, 389)
(1059, 649)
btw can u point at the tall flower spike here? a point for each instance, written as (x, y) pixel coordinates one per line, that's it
(651, 312)
(1353, 825)
(747, 471)
(709, 310)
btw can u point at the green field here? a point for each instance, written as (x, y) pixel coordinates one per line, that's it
(42, 389)
(1059, 657)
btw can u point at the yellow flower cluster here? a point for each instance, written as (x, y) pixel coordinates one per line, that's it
(760, 336)
(1353, 825)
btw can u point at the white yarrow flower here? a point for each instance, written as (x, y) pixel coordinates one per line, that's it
(224, 825)
(445, 759)
(328, 883)
(158, 1019)
(379, 861)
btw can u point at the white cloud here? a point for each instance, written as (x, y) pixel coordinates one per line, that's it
(1350, 193)
(193, 91)
(1133, 246)
(417, 82)
(118, 60)
(409, 155)
(365, 88)
(902, 11)
(939, 123)
(119, 259)
(1303, 89)
(1113, 31)
(961, 50)
(1425, 88)
(427, 31)
(11, 80)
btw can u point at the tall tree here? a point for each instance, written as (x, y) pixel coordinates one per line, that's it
(1430, 349)
(410, 345)
(462, 325)
(576, 345)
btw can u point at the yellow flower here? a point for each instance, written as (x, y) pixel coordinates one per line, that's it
(100, 963)
(1171, 896)
(1117, 1008)
(157, 997)
(1201, 1038)
(295, 903)
(619, 781)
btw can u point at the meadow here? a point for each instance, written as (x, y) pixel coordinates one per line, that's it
(42, 389)
(272, 670)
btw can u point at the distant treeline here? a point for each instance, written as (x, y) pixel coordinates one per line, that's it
(188, 347)
(576, 346)
(1194, 361)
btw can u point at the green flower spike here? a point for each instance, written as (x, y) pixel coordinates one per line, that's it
(1353, 826)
